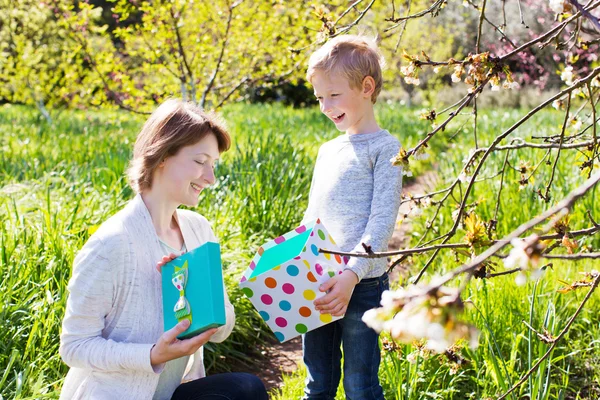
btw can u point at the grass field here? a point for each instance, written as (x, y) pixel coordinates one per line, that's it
(58, 183)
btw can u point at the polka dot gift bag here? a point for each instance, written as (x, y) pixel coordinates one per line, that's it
(284, 276)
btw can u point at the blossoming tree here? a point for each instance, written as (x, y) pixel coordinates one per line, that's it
(432, 311)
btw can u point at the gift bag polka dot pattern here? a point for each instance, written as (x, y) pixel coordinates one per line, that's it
(270, 283)
(314, 249)
(284, 295)
(288, 288)
(265, 315)
(309, 294)
(326, 318)
(305, 312)
(266, 299)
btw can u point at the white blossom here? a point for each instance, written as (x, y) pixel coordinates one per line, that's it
(510, 85)
(420, 155)
(371, 318)
(455, 214)
(414, 313)
(567, 75)
(517, 256)
(416, 211)
(557, 6)
(557, 104)
(408, 69)
(576, 123)
(412, 80)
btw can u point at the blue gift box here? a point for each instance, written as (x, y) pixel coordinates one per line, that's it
(192, 286)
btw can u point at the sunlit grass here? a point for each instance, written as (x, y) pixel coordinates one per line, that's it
(59, 182)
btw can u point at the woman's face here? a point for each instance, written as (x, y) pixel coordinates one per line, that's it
(184, 175)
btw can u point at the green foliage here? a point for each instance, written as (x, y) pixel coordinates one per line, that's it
(59, 182)
(497, 306)
(37, 64)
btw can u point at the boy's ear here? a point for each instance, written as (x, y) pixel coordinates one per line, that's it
(368, 86)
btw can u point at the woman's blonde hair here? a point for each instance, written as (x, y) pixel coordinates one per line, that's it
(174, 124)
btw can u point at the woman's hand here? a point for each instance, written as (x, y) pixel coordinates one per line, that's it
(165, 260)
(168, 347)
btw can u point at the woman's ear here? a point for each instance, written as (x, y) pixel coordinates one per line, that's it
(368, 86)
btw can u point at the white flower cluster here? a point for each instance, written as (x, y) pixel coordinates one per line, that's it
(576, 123)
(457, 74)
(510, 85)
(415, 313)
(567, 75)
(420, 155)
(410, 74)
(558, 6)
(558, 104)
(524, 255)
(464, 177)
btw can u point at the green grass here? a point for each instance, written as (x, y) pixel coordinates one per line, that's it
(58, 183)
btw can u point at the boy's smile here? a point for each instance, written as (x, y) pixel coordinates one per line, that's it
(349, 108)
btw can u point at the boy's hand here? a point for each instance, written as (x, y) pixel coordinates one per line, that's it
(339, 289)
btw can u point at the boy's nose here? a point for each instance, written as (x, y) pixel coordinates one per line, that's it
(325, 106)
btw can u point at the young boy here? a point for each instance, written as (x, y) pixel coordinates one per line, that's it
(355, 191)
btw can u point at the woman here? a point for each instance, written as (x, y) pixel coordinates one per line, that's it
(112, 335)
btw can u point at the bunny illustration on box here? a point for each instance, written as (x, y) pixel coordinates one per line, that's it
(284, 276)
(193, 289)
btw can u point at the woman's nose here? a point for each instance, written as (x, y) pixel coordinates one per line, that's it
(209, 175)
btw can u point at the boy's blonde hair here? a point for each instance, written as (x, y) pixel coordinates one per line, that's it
(175, 124)
(353, 56)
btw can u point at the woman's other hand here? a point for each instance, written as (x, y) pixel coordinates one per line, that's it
(165, 260)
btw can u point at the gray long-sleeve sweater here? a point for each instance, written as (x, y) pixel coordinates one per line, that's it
(355, 191)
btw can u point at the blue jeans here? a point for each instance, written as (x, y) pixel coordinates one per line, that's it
(323, 355)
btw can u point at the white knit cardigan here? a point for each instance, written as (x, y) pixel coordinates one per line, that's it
(114, 312)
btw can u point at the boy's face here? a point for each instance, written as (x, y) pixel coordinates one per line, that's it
(349, 108)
